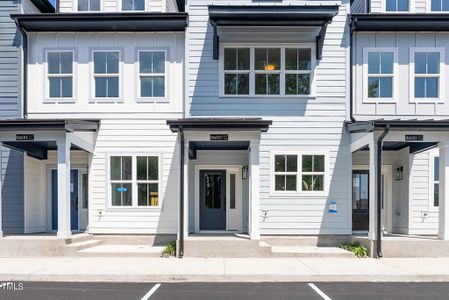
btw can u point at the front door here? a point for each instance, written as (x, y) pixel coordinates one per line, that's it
(73, 199)
(360, 200)
(213, 200)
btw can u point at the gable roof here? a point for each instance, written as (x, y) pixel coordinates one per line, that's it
(44, 6)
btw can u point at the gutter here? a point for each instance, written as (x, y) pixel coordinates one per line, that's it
(181, 195)
(379, 192)
(24, 70)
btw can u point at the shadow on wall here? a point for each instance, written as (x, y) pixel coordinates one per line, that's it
(336, 224)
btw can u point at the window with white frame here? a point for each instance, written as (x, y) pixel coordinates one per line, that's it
(426, 74)
(134, 181)
(60, 74)
(133, 5)
(106, 74)
(435, 181)
(273, 71)
(439, 5)
(380, 77)
(299, 173)
(152, 74)
(397, 5)
(89, 5)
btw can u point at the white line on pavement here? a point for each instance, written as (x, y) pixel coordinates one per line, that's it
(319, 292)
(151, 292)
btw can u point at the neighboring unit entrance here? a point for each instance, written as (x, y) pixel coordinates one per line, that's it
(213, 200)
(360, 200)
(73, 199)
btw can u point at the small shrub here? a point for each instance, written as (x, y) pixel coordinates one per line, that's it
(170, 249)
(355, 247)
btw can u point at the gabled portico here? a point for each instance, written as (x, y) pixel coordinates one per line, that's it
(36, 138)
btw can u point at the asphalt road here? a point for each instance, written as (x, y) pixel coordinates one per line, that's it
(233, 291)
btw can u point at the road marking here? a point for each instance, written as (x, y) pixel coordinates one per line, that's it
(151, 292)
(319, 292)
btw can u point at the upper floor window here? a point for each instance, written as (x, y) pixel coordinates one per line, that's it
(60, 74)
(259, 71)
(106, 74)
(133, 5)
(89, 5)
(439, 5)
(426, 73)
(397, 5)
(152, 74)
(380, 74)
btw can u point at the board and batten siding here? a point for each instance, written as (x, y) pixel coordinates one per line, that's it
(68, 6)
(403, 106)
(299, 124)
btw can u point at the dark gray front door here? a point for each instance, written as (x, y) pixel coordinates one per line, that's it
(213, 200)
(360, 200)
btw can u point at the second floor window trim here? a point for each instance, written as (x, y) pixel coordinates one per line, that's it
(152, 75)
(105, 75)
(60, 75)
(88, 5)
(438, 6)
(133, 5)
(397, 6)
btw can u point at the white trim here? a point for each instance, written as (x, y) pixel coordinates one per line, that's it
(299, 173)
(411, 8)
(75, 7)
(47, 98)
(395, 74)
(133, 181)
(281, 72)
(94, 99)
(141, 99)
(434, 153)
(441, 82)
(230, 169)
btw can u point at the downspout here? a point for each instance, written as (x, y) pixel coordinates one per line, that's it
(351, 72)
(24, 69)
(379, 192)
(181, 195)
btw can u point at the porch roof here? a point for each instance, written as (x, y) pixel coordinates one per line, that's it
(398, 125)
(219, 124)
(400, 22)
(49, 125)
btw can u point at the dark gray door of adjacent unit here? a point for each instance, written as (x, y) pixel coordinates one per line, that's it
(213, 200)
(360, 200)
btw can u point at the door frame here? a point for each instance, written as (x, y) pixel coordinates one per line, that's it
(230, 169)
(387, 212)
(81, 170)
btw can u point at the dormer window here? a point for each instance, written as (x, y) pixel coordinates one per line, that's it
(133, 5)
(439, 5)
(397, 5)
(89, 5)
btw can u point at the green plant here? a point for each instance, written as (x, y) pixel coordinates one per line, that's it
(170, 249)
(355, 247)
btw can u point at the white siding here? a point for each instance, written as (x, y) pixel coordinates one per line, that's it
(403, 107)
(83, 44)
(35, 195)
(377, 6)
(67, 6)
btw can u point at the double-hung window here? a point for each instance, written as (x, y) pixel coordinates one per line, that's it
(106, 74)
(60, 74)
(89, 5)
(134, 181)
(293, 173)
(439, 5)
(133, 5)
(267, 71)
(380, 77)
(397, 5)
(152, 74)
(426, 73)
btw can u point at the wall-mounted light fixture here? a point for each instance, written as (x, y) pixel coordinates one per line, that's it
(245, 172)
(399, 173)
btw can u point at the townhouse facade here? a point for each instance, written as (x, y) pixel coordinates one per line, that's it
(255, 117)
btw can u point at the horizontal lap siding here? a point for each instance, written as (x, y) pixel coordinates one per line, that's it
(298, 125)
(144, 136)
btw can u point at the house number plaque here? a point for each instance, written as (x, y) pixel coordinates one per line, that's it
(219, 137)
(414, 137)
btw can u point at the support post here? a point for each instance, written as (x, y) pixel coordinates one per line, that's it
(64, 228)
(254, 210)
(180, 242)
(372, 232)
(1, 190)
(443, 232)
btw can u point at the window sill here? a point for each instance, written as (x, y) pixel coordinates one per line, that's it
(59, 100)
(426, 100)
(152, 100)
(380, 100)
(294, 97)
(133, 208)
(105, 100)
(298, 194)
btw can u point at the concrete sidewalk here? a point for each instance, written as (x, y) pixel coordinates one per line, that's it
(136, 269)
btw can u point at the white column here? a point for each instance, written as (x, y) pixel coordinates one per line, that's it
(443, 232)
(64, 230)
(186, 190)
(254, 182)
(372, 189)
(1, 190)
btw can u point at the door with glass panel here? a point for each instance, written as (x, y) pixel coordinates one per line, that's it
(360, 200)
(213, 200)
